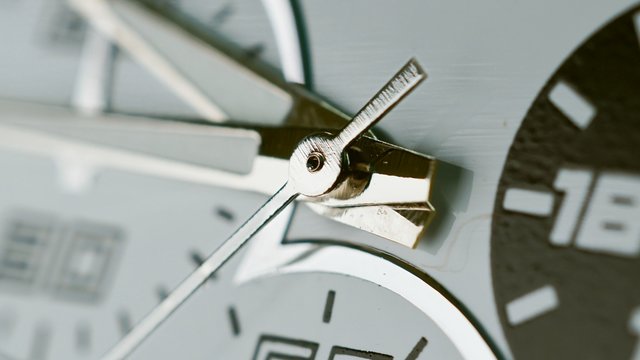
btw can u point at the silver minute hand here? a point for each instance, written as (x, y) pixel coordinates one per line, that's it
(314, 169)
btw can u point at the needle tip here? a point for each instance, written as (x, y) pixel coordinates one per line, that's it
(414, 69)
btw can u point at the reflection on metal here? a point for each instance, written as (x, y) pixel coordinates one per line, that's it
(283, 22)
(385, 189)
(321, 181)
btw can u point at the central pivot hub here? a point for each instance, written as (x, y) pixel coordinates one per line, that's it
(315, 165)
(315, 161)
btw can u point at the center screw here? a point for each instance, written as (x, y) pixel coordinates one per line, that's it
(315, 161)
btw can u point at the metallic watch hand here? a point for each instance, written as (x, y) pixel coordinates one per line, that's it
(198, 153)
(315, 168)
(157, 35)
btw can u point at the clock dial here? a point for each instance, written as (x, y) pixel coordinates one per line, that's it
(325, 302)
(532, 248)
(565, 236)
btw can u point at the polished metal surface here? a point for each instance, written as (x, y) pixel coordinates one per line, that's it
(259, 162)
(302, 180)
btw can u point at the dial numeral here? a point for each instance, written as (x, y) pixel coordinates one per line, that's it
(601, 213)
(575, 186)
(272, 347)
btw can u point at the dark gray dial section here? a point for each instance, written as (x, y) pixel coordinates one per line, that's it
(565, 233)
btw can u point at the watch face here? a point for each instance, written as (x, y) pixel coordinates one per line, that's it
(285, 179)
(565, 238)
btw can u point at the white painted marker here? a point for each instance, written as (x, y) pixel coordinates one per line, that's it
(532, 305)
(532, 202)
(573, 105)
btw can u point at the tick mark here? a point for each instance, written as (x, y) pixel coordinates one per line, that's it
(233, 319)
(328, 306)
(254, 51)
(622, 200)
(198, 259)
(124, 322)
(613, 226)
(225, 214)
(417, 350)
(162, 292)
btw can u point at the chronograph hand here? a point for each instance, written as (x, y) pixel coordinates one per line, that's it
(315, 168)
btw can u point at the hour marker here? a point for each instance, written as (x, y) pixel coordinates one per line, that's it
(532, 305)
(162, 292)
(328, 306)
(625, 200)
(225, 214)
(417, 350)
(532, 202)
(573, 105)
(233, 320)
(254, 51)
(198, 259)
(124, 322)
